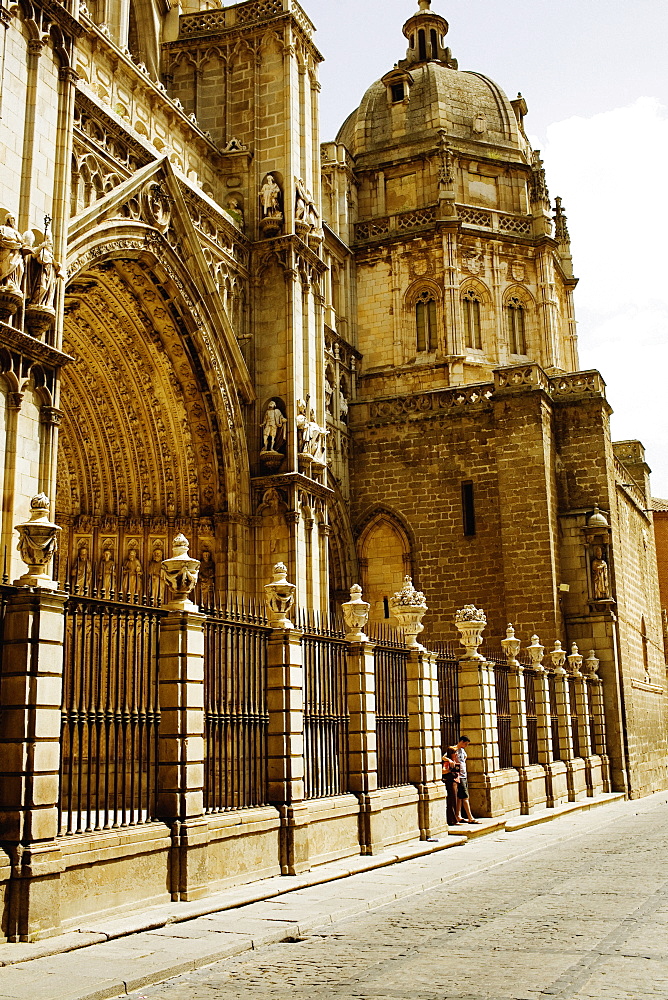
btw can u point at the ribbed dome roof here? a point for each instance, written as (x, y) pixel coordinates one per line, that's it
(470, 107)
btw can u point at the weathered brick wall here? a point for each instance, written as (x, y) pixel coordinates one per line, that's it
(661, 536)
(415, 465)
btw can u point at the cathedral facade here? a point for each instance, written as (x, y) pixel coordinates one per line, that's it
(324, 365)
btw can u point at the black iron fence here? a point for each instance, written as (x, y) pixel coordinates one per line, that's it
(554, 719)
(324, 652)
(235, 709)
(531, 714)
(390, 660)
(110, 715)
(448, 692)
(503, 717)
(573, 704)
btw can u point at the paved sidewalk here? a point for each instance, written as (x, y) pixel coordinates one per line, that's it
(125, 954)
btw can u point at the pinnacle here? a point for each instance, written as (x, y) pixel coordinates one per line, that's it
(425, 4)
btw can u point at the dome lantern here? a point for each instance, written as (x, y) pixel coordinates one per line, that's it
(426, 33)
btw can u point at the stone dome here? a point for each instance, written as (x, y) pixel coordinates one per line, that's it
(470, 107)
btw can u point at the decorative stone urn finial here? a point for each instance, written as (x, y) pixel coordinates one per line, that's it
(558, 657)
(575, 661)
(280, 596)
(592, 662)
(409, 607)
(38, 540)
(536, 652)
(425, 4)
(356, 615)
(470, 621)
(181, 572)
(511, 647)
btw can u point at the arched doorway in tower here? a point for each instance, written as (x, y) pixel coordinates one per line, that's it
(385, 559)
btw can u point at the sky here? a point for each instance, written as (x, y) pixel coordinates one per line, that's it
(595, 76)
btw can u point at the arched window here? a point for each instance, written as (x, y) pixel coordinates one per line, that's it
(422, 46)
(425, 322)
(516, 321)
(472, 328)
(434, 44)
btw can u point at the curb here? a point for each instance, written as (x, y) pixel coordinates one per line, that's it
(174, 914)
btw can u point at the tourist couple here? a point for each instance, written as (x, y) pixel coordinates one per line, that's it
(456, 784)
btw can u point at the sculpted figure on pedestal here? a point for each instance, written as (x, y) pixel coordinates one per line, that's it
(273, 425)
(12, 244)
(600, 575)
(106, 573)
(156, 586)
(270, 197)
(207, 580)
(80, 577)
(43, 272)
(131, 583)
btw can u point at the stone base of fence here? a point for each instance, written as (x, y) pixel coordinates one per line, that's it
(532, 788)
(495, 794)
(576, 772)
(556, 780)
(594, 775)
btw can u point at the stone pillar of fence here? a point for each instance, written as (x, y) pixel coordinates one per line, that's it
(362, 746)
(424, 718)
(285, 739)
(180, 799)
(31, 698)
(593, 777)
(531, 777)
(477, 707)
(597, 713)
(563, 708)
(555, 771)
(424, 741)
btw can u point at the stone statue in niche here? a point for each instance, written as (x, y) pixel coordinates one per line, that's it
(236, 209)
(273, 433)
(270, 196)
(329, 392)
(600, 574)
(156, 584)
(42, 274)
(106, 571)
(12, 245)
(271, 207)
(131, 581)
(273, 436)
(207, 580)
(301, 201)
(343, 406)
(311, 436)
(80, 575)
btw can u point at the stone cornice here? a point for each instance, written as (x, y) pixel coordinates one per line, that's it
(514, 380)
(28, 347)
(62, 17)
(293, 479)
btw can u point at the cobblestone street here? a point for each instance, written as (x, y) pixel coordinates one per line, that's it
(578, 911)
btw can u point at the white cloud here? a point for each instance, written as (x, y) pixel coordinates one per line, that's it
(610, 172)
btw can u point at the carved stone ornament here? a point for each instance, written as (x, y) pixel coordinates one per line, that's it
(156, 206)
(517, 270)
(575, 661)
(280, 597)
(181, 573)
(473, 262)
(470, 622)
(409, 607)
(536, 652)
(38, 541)
(356, 615)
(511, 647)
(558, 657)
(592, 664)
